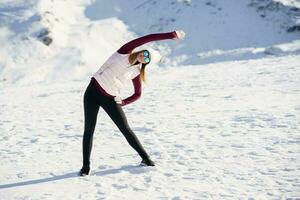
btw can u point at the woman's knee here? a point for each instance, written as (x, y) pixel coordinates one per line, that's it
(126, 130)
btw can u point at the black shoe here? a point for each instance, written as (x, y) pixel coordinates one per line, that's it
(147, 162)
(84, 171)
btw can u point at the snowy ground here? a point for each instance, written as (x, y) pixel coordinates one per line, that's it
(86, 32)
(220, 117)
(218, 131)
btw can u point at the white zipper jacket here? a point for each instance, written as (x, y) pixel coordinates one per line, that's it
(115, 72)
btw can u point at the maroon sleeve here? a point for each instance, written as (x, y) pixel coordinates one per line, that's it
(137, 91)
(128, 47)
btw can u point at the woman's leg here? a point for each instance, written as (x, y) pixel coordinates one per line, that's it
(91, 109)
(117, 114)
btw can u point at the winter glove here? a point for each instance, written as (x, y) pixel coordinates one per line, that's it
(180, 34)
(118, 100)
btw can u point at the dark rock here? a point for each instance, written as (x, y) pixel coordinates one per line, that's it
(208, 3)
(43, 35)
(294, 9)
(295, 28)
(47, 40)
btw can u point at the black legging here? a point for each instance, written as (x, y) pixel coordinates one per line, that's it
(93, 99)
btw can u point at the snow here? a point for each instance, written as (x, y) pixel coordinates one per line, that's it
(212, 24)
(220, 117)
(226, 130)
(292, 3)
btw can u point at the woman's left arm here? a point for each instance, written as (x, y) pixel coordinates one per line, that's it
(137, 83)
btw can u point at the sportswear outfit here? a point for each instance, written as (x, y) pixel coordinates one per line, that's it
(105, 85)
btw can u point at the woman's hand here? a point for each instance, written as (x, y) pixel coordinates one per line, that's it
(118, 100)
(180, 34)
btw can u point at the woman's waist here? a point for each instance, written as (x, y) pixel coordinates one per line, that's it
(99, 88)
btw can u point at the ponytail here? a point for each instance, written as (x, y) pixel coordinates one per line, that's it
(132, 61)
(143, 72)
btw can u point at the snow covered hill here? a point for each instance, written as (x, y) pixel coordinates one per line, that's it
(226, 131)
(46, 41)
(220, 117)
(217, 30)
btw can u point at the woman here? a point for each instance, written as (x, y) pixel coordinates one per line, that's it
(104, 90)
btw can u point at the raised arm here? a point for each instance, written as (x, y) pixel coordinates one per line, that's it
(137, 91)
(128, 47)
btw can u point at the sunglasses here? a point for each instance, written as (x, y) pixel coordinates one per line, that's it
(146, 56)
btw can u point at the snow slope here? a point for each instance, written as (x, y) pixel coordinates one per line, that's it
(82, 34)
(234, 27)
(226, 131)
(220, 117)
(77, 45)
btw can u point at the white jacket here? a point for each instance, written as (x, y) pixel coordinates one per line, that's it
(115, 72)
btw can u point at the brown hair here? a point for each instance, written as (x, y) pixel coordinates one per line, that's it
(132, 58)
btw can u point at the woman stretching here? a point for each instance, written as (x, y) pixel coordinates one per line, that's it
(104, 90)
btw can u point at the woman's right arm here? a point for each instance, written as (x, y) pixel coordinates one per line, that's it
(128, 47)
